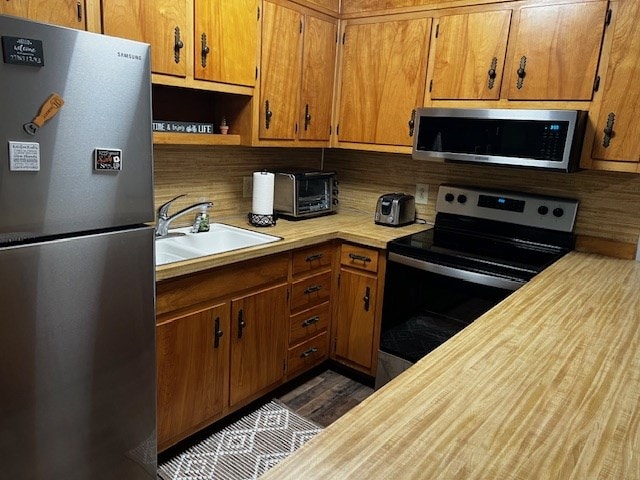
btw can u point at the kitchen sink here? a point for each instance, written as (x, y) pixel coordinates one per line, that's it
(180, 244)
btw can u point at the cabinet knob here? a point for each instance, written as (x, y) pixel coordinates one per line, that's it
(217, 333)
(367, 299)
(204, 50)
(267, 115)
(177, 44)
(492, 74)
(412, 122)
(241, 323)
(307, 117)
(521, 72)
(608, 130)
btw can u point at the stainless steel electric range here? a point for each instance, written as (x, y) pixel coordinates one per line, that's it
(484, 245)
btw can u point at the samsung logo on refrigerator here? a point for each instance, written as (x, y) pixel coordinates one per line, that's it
(545, 139)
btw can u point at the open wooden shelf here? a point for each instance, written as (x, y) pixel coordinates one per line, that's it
(161, 138)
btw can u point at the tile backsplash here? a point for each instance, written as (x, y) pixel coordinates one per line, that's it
(609, 202)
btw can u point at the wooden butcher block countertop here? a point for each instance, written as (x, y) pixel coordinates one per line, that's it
(544, 386)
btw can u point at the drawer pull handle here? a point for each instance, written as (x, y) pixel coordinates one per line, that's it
(311, 351)
(361, 258)
(313, 289)
(241, 323)
(217, 333)
(310, 321)
(312, 258)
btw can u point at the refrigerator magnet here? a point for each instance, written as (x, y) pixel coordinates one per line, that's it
(107, 160)
(24, 156)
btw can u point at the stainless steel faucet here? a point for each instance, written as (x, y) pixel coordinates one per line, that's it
(164, 219)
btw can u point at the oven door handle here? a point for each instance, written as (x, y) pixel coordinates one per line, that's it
(466, 275)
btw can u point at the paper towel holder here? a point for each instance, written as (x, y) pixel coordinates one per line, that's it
(260, 220)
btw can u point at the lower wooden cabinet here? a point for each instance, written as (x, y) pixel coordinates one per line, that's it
(192, 367)
(227, 336)
(258, 342)
(221, 341)
(356, 324)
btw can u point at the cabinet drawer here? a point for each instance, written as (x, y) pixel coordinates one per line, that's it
(308, 354)
(359, 257)
(309, 323)
(310, 259)
(310, 291)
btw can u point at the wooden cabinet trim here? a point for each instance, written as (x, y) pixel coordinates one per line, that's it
(191, 290)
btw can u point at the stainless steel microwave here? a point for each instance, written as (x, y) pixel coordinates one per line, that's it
(547, 139)
(304, 194)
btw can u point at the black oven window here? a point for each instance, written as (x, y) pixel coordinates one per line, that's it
(423, 310)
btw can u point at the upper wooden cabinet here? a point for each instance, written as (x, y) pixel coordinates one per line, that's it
(617, 129)
(225, 51)
(469, 51)
(280, 67)
(297, 70)
(67, 13)
(316, 84)
(383, 78)
(556, 51)
(161, 23)
(213, 40)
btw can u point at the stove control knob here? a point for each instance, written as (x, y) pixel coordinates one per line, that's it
(449, 197)
(558, 212)
(543, 209)
(462, 198)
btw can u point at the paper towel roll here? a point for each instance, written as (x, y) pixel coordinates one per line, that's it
(262, 193)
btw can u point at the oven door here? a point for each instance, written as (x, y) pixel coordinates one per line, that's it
(422, 309)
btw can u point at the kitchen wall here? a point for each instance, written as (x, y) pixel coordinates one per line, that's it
(608, 216)
(215, 173)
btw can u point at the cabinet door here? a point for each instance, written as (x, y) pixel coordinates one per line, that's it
(280, 78)
(318, 67)
(469, 55)
(355, 322)
(192, 367)
(67, 13)
(556, 51)
(226, 41)
(259, 330)
(621, 96)
(383, 80)
(161, 23)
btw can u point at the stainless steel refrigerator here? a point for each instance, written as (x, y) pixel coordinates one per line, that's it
(77, 341)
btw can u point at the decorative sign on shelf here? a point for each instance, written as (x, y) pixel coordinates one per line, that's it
(182, 127)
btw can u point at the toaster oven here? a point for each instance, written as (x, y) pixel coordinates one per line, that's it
(304, 194)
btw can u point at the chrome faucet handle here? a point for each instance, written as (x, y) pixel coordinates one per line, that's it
(164, 208)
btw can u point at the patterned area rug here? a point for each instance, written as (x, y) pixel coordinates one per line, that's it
(245, 449)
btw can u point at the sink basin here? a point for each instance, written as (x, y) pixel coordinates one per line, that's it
(181, 244)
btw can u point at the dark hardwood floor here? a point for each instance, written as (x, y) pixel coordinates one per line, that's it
(324, 397)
